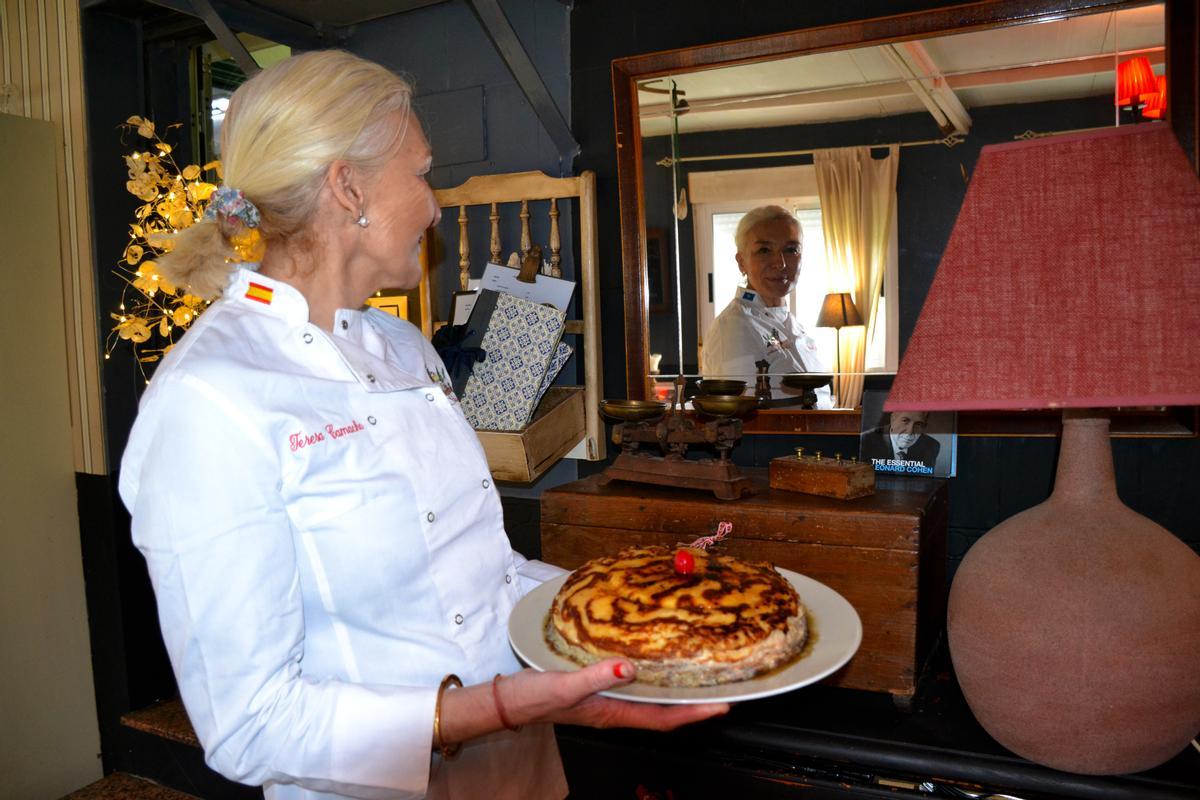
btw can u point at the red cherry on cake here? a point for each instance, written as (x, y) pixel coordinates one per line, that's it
(685, 562)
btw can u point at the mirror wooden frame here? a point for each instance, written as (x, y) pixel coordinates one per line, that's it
(1181, 45)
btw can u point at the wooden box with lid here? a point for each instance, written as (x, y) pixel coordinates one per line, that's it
(885, 553)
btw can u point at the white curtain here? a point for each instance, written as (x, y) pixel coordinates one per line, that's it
(858, 202)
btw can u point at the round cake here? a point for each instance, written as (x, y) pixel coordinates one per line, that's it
(683, 616)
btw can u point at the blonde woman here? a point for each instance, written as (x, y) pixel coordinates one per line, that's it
(757, 325)
(327, 550)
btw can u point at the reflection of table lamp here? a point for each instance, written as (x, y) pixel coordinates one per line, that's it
(1156, 102)
(1135, 81)
(1069, 282)
(837, 312)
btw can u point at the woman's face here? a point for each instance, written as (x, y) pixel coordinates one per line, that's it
(771, 260)
(400, 207)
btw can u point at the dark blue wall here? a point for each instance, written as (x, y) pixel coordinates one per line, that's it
(476, 116)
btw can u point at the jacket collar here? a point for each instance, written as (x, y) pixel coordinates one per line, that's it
(371, 343)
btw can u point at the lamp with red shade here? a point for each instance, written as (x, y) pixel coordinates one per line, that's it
(1135, 78)
(1156, 102)
(1069, 282)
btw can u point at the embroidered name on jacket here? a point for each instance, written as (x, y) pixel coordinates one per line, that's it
(300, 440)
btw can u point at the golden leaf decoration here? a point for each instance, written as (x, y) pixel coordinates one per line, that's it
(154, 312)
(249, 245)
(200, 192)
(182, 315)
(134, 329)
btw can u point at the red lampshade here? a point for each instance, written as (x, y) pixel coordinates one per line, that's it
(1069, 280)
(1156, 103)
(1134, 78)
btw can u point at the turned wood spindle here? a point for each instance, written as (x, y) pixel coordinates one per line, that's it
(494, 216)
(555, 241)
(526, 237)
(464, 250)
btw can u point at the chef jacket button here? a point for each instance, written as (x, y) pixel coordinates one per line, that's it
(345, 324)
(370, 377)
(458, 619)
(371, 420)
(429, 396)
(486, 483)
(508, 578)
(308, 338)
(430, 516)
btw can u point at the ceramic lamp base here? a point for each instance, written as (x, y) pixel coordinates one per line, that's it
(1074, 626)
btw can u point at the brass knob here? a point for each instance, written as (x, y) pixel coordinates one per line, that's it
(799, 452)
(818, 455)
(837, 457)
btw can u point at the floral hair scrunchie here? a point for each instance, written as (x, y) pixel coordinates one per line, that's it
(232, 204)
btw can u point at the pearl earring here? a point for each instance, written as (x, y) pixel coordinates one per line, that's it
(362, 220)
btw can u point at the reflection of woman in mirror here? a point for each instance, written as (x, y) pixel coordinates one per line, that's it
(757, 324)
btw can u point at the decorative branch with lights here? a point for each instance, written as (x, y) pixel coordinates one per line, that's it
(153, 312)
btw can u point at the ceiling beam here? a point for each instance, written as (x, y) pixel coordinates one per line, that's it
(226, 37)
(948, 113)
(500, 31)
(249, 18)
(1063, 68)
(935, 82)
(796, 99)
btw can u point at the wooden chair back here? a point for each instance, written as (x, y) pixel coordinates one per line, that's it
(525, 188)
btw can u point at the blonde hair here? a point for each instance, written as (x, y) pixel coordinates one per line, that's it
(763, 214)
(283, 129)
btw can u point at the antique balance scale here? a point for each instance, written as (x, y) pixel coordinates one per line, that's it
(655, 436)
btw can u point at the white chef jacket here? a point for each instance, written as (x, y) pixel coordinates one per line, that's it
(326, 544)
(747, 331)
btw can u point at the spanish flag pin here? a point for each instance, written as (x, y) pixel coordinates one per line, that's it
(260, 293)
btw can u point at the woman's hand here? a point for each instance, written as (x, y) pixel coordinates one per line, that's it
(564, 697)
(571, 698)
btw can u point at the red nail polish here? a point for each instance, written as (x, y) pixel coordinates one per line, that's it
(621, 670)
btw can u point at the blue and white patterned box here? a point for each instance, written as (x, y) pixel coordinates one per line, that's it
(561, 355)
(520, 340)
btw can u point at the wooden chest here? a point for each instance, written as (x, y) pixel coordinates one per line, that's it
(885, 553)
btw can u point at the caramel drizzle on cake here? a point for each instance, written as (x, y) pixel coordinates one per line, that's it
(636, 605)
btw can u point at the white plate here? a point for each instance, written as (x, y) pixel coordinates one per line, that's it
(832, 621)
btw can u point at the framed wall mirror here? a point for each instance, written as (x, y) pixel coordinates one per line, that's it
(706, 133)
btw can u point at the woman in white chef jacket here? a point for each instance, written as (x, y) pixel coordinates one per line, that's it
(327, 550)
(757, 324)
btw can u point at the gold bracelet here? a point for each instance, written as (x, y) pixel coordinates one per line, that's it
(448, 752)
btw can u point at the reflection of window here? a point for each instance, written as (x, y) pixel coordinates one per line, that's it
(721, 199)
(811, 282)
(217, 77)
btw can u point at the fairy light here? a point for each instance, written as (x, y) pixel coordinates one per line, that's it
(152, 312)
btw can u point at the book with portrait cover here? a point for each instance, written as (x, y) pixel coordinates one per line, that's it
(922, 443)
